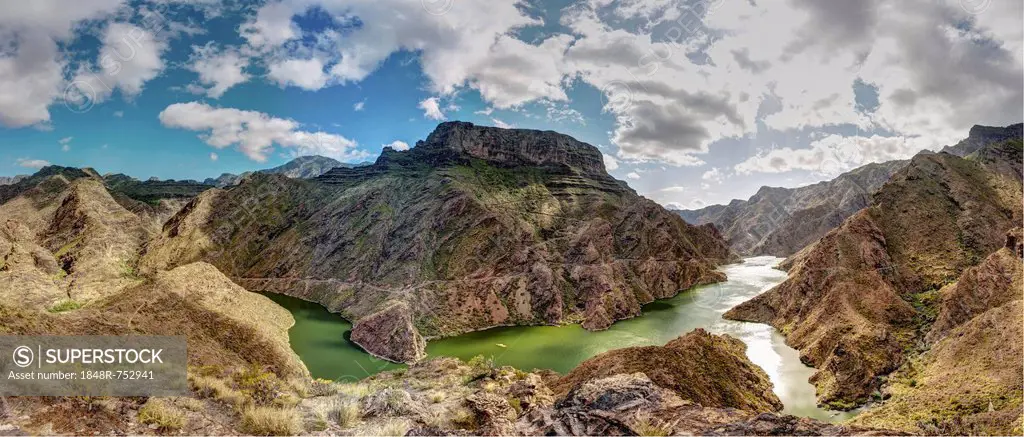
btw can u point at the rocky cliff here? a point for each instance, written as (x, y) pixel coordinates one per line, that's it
(781, 221)
(980, 136)
(473, 228)
(863, 298)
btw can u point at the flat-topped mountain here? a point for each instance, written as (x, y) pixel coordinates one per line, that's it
(980, 136)
(475, 227)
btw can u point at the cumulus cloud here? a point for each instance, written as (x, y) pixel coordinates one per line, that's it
(610, 163)
(130, 57)
(501, 124)
(31, 63)
(714, 175)
(834, 154)
(359, 105)
(65, 143)
(31, 163)
(432, 109)
(255, 133)
(307, 74)
(218, 69)
(398, 145)
(633, 175)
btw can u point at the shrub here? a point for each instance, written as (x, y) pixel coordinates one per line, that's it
(209, 386)
(271, 421)
(346, 414)
(64, 305)
(162, 414)
(436, 397)
(649, 426)
(263, 387)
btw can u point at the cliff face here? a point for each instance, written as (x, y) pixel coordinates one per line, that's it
(864, 297)
(970, 381)
(980, 136)
(473, 228)
(781, 221)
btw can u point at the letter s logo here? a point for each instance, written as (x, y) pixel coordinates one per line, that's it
(23, 356)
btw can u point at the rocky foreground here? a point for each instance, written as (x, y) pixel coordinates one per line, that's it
(475, 227)
(445, 396)
(914, 302)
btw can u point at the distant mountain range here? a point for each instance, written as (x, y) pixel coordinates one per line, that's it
(781, 221)
(923, 284)
(303, 167)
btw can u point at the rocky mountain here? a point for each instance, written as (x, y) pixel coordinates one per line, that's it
(980, 136)
(303, 167)
(10, 180)
(475, 227)
(781, 221)
(874, 295)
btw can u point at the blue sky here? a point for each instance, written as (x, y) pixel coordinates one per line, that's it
(692, 102)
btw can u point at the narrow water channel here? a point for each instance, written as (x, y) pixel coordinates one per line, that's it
(319, 337)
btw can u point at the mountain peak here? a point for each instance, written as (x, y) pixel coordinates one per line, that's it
(516, 146)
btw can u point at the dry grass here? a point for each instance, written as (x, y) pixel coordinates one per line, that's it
(209, 386)
(346, 414)
(389, 427)
(271, 421)
(649, 426)
(161, 413)
(358, 391)
(191, 404)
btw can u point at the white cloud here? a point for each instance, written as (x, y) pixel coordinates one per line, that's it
(673, 189)
(119, 114)
(65, 143)
(130, 57)
(359, 105)
(834, 154)
(610, 163)
(213, 156)
(31, 64)
(633, 175)
(307, 74)
(255, 133)
(218, 70)
(398, 145)
(501, 124)
(31, 163)
(714, 175)
(431, 109)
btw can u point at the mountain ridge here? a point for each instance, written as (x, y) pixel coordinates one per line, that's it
(465, 231)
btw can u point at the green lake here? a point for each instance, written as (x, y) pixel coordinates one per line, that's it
(320, 337)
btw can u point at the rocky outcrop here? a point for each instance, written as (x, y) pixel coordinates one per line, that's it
(980, 136)
(474, 228)
(391, 334)
(781, 221)
(968, 383)
(862, 298)
(706, 369)
(996, 281)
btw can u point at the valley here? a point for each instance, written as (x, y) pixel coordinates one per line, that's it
(500, 281)
(318, 338)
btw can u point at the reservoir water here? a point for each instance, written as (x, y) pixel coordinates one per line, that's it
(320, 338)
